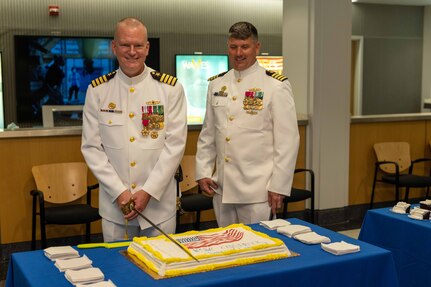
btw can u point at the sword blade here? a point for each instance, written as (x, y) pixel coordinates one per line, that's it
(132, 207)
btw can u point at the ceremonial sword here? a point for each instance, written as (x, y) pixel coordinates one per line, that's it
(132, 207)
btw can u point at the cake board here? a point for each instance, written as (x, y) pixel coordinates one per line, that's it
(132, 258)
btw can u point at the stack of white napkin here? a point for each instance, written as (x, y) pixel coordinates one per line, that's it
(340, 248)
(311, 238)
(61, 252)
(84, 276)
(98, 284)
(293, 229)
(425, 204)
(401, 207)
(274, 224)
(73, 264)
(299, 232)
(419, 213)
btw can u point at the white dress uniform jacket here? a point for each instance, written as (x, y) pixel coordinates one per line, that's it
(120, 156)
(254, 151)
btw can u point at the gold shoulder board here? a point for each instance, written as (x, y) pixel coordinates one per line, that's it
(103, 79)
(216, 76)
(164, 78)
(276, 75)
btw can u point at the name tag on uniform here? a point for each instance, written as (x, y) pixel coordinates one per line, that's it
(111, 111)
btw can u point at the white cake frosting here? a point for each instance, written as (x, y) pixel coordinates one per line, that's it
(216, 248)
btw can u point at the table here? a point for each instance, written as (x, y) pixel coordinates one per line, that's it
(407, 238)
(372, 266)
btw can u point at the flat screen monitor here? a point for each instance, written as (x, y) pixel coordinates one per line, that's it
(193, 72)
(272, 63)
(53, 70)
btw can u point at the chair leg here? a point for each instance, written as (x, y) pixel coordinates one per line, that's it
(198, 220)
(312, 211)
(87, 232)
(285, 210)
(43, 234)
(374, 188)
(406, 196)
(33, 226)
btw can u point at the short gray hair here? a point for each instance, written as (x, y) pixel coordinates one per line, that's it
(243, 31)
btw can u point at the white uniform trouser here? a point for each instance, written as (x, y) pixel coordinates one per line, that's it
(227, 214)
(115, 232)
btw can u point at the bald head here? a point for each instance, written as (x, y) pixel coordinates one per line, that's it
(131, 46)
(130, 23)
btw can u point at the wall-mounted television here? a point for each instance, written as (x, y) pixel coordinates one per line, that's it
(56, 70)
(272, 63)
(193, 72)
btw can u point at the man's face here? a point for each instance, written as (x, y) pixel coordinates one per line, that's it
(131, 47)
(242, 53)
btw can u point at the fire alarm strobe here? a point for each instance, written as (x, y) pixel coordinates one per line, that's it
(54, 10)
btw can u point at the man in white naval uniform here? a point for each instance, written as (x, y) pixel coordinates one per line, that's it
(250, 135)
(134, 135)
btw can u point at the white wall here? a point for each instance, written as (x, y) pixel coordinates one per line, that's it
(426, 58)
(320, 72)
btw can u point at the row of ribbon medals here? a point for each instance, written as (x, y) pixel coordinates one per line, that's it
(253, 101)
(153, 119)
(153, 116)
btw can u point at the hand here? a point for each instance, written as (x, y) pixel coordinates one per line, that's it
(275, 201)
(123, 201)
(207, 185)
(140, 201)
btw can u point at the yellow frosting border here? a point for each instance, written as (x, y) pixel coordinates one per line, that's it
(212, 266)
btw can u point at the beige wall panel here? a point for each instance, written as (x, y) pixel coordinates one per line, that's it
(18, 156)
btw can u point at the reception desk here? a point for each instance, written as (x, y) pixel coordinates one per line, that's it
(372, 266)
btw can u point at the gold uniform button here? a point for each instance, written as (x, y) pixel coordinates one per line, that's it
(231, 118)
(234, 98)
(132, 139)
(131, 115)
(133, 186)
(227, 139)
(133, 163)
(226, 159)
(109, 122)
(132, 90)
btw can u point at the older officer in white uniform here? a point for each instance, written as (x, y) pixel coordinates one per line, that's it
(134, 135)
(250, 134)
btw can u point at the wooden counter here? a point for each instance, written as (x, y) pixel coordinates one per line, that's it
(23, 148)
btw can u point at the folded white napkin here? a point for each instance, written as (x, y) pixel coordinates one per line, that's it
(401, 207)
(311, 238)
(274, 224)
(425, 204)
(340, 248)
(426, 201)
(419, 213)
(293, 229)
(61, 252)
(98, 284)
(84, 276)
(74, 263)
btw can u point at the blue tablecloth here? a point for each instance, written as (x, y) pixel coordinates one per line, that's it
(407, 238)
(372, 266)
